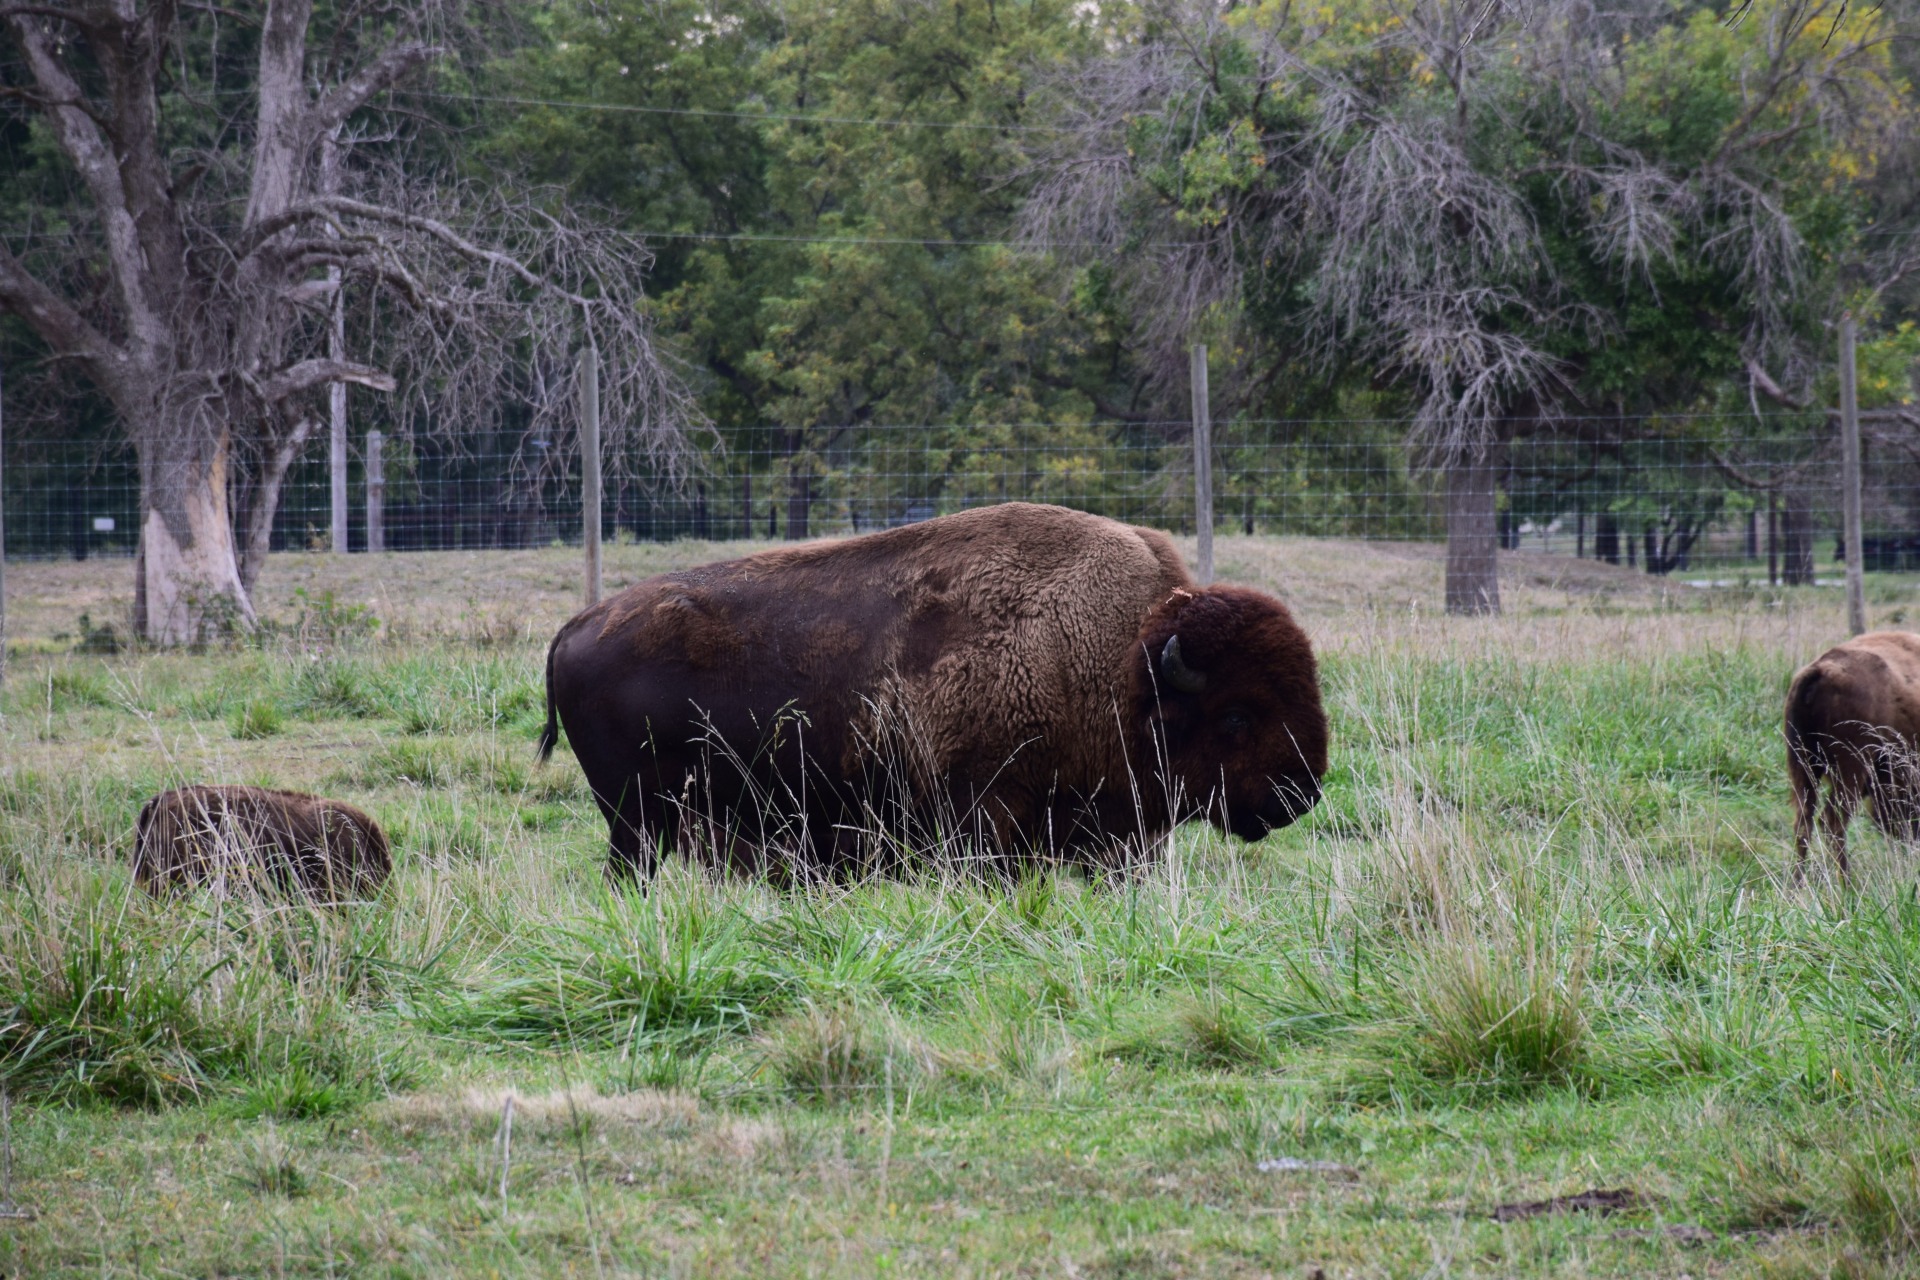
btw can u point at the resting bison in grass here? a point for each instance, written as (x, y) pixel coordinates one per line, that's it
(1022, 680)
(300, 843)
(1853, 722)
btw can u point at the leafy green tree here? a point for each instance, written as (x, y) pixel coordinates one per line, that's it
(833, 249)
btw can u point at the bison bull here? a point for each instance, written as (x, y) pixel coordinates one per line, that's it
(1029, 680)
(300, 843)
(1853, 723)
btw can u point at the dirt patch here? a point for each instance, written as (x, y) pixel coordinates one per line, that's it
(1321, 1168)
(645, 1108)
(1617, 1200)
(1679, 1233)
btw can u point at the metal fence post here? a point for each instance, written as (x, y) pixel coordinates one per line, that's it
(337, 434)
(590, 469)
(1202, 466)
(376, 493)
(337, 352)
(1850, 479)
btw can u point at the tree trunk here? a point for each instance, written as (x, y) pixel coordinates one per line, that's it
(799, 498)
(263, 502)
(1473, 581)
(1606, 538)
(1773, 538)
(190, 588)
(1796, 537)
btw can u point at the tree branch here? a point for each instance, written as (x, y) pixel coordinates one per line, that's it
(81, 137)
(347, 97)
(1764, 383)
(308, 374)
(453, 240)
(50, 316)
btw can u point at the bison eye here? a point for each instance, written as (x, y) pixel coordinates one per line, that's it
(1235, 720)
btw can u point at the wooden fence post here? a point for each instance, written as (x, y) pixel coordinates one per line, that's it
(1202, 466)
(1850, 480)
(3, 535)
(590, 468)
(376, 494)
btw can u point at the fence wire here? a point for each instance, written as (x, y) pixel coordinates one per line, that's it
(1663, 494)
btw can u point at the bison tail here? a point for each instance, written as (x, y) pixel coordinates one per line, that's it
(1806, 758)
(550, 736)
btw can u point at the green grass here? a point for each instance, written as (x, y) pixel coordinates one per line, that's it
(1537, 940)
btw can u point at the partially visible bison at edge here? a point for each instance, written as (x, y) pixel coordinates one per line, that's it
(299, 843)
(1853, 722)
(1016, 681)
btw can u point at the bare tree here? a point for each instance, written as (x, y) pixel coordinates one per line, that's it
(1416, 262)
(195, 284)
(1398, 194)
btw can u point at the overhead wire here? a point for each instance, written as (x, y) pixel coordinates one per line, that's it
(797, 117)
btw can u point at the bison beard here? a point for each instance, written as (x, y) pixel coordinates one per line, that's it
(1013, 682)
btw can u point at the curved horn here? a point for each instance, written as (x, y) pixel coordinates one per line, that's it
(1176, 672)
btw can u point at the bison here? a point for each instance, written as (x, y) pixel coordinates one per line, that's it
(300, 843)
(1853, 722)
(1028, 680)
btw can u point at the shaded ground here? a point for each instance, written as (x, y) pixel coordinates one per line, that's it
(505, 595)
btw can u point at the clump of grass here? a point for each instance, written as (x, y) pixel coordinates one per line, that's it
(295, 1091)
(334, 686)
(270, 1167)
(1033, 899)
(256, 718)
(1499, 1011)
(211, 701)
(98, 637)
(414, 763)
(1767, 1187)
(907, 949)
(837, 1051)
(421, 714)
(324, 618)
(1036, 1051)
(1220, 1032)
(438, 697)
(1880, 1198)
(105, 1001)
(77, 688)
(456, 837)
(673, 959)
(96, 1007)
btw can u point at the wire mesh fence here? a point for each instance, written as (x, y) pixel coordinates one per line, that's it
(1662, 494)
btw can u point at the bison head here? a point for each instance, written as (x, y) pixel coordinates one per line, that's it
(1225, 682)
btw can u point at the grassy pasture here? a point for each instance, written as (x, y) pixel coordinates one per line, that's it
(1536, 942)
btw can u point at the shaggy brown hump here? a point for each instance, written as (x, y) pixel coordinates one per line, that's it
(325, 849)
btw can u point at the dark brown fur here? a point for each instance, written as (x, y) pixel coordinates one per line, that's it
(991, 675)
(1853, 723)
(300, 843)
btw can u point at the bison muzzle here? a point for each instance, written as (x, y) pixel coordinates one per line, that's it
(1019, 681)
(298, 843)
